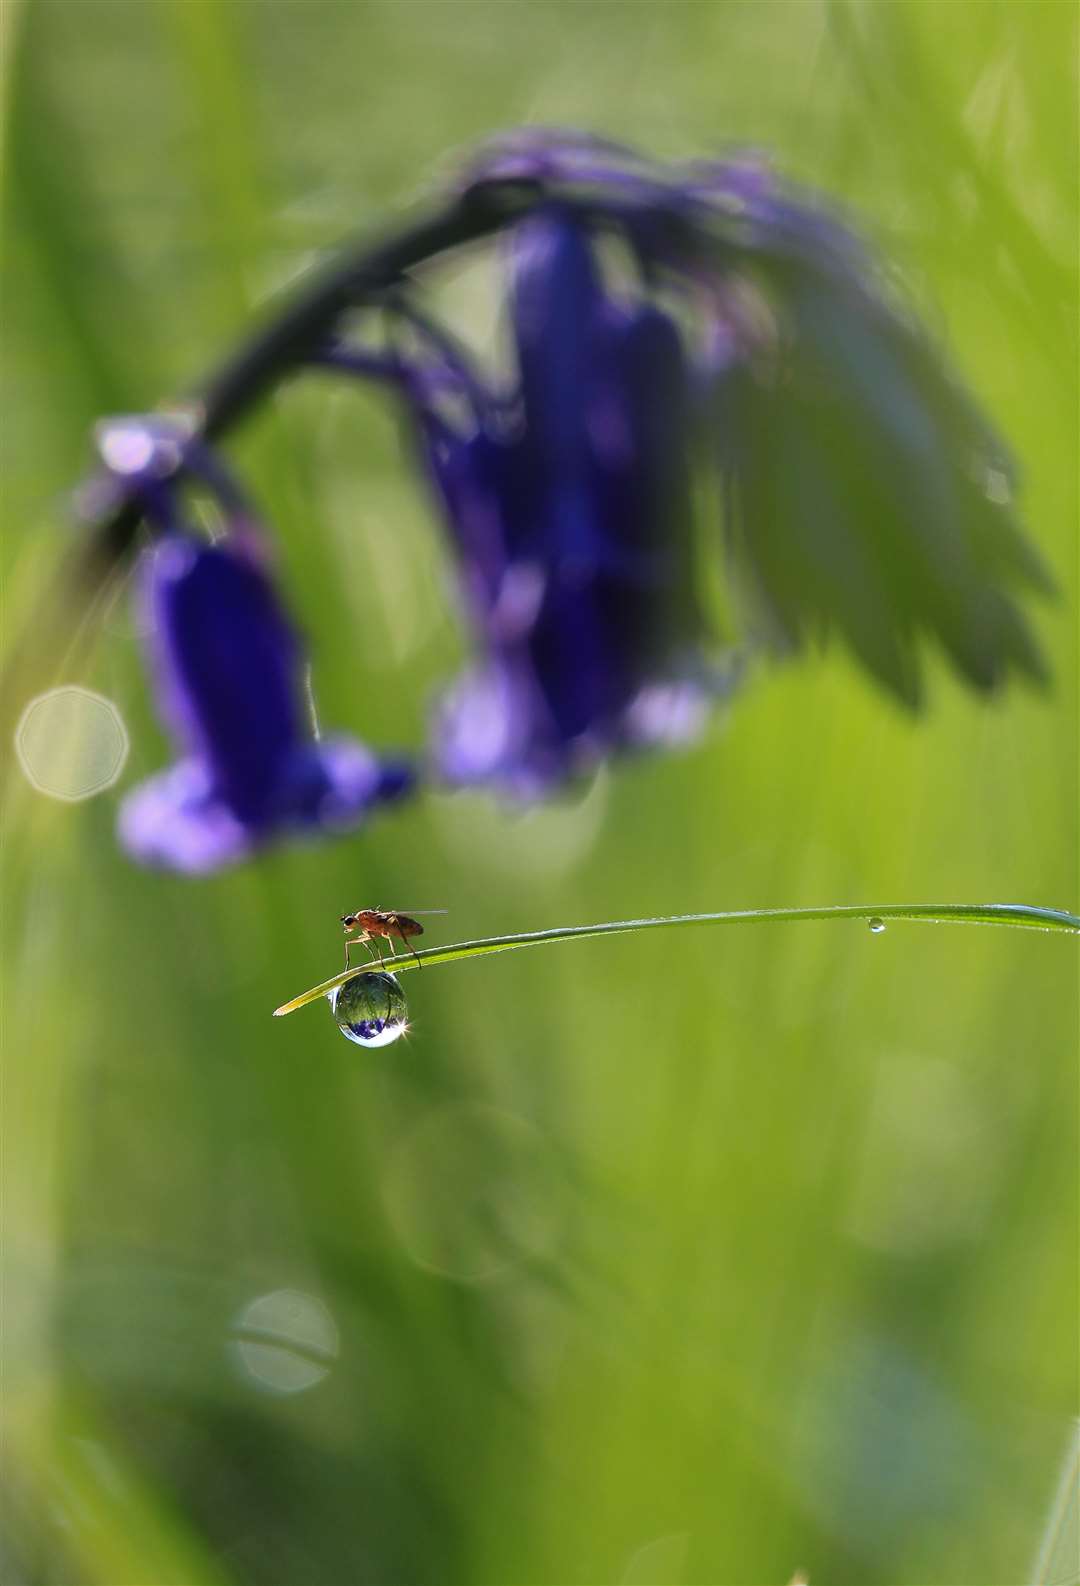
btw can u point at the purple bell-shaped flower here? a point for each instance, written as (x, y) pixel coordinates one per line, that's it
(227, 668)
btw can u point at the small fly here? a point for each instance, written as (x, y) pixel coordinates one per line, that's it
(371, 925)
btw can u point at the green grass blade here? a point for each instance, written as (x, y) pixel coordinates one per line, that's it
(1024, 915)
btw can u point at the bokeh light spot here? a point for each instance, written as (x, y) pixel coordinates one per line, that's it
(658, 1563)
(71, 743)
(285, 1341)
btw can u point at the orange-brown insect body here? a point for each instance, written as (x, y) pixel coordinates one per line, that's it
(370, 924)
(378, 922)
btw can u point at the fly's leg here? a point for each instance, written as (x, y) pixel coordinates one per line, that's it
(412, 950)
(355, 941)
(405, 943)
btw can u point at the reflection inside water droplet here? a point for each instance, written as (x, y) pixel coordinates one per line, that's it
(876, 925)
(370, 1009)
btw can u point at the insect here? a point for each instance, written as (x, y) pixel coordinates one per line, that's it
(373, 924)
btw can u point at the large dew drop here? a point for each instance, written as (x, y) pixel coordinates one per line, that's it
(370, 1009)
(876, 925)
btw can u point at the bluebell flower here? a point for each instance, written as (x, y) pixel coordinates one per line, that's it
(569, 505)
(228, 673)
(750, 333)
(716, 428)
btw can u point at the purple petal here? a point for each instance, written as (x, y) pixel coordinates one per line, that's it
(667, 714)
(490, 726)
(556, 304)
(333, 783)
(178, 821)
(225, 661)
(174, 820)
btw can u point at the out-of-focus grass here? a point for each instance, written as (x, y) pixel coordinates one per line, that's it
(760, 1259)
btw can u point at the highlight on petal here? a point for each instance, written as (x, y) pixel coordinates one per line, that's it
(668, 714)
(334, 782)
(491, 726)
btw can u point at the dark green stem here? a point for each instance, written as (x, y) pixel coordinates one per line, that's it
(362, 273)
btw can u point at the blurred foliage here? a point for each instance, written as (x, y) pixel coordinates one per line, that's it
(616, 1270)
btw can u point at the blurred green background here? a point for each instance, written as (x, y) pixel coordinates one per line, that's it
(618, 1269)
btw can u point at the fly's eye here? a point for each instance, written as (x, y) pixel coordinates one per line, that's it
(349, 921)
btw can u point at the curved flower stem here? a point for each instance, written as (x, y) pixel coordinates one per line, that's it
(108, 522)
(360, 274)
(1023, 915)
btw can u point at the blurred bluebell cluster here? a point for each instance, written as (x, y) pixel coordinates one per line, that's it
(707, 373)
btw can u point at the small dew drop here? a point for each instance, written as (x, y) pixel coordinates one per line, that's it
(370, 1009)
(876, 925)
(997, 486)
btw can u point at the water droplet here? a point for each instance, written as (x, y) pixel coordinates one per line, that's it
(876, 925)
(370, 1009)
(997, 486)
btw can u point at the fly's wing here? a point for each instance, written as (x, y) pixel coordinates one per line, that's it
(406, 925)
